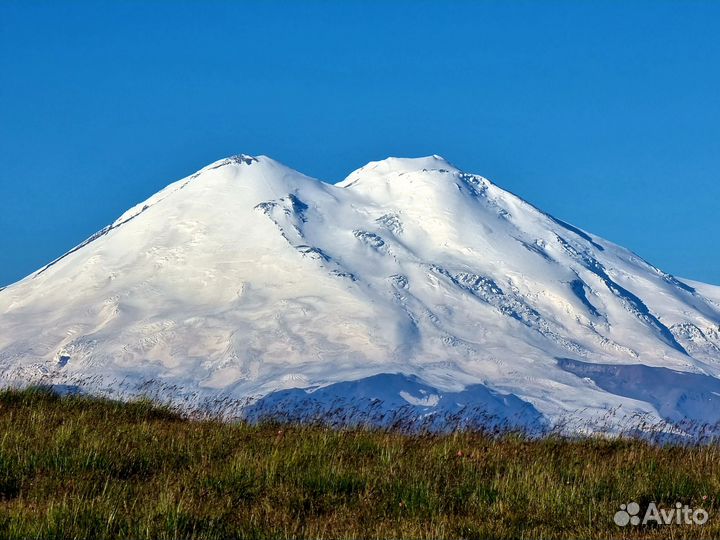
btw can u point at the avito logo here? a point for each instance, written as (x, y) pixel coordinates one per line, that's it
(629, 514)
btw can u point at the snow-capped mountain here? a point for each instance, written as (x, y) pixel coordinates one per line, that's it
(410, 286)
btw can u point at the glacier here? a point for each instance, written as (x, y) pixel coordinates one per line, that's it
(411, 288)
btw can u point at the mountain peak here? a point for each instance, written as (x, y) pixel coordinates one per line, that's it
(238, 159)
(403, 164)
(397, 166)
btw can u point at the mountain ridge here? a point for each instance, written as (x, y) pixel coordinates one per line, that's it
(248, 278)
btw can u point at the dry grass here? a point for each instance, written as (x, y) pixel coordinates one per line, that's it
(77, 467)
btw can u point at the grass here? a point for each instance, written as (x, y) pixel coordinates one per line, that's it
(77, 467)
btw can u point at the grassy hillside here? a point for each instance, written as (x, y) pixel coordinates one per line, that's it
(84, 468)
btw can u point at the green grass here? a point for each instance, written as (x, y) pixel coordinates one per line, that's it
(77, 467)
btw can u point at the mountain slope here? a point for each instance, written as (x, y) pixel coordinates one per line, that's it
(248, 278)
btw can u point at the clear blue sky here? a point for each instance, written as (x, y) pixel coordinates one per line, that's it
(605, 114)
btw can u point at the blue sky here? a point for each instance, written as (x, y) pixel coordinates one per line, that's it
(605, 114)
